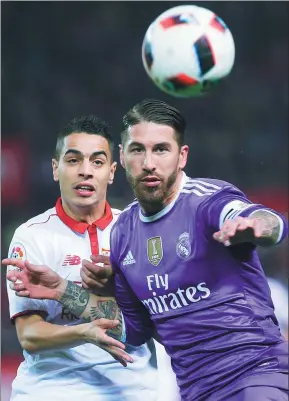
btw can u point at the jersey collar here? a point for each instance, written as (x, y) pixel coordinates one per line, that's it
(79, 226)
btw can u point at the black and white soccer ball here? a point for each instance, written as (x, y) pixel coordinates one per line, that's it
(188, 49)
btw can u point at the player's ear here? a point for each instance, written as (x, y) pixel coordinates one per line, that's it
(121, 156)
(55, 169)
(183, 156)
(112, 172)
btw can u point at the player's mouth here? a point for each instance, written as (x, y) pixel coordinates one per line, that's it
(151, 181)
(84, 189)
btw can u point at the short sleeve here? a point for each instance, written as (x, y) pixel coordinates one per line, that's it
(24, 247)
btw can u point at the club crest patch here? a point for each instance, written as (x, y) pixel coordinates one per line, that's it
(183, 247)
(155, 250)
(105, 252)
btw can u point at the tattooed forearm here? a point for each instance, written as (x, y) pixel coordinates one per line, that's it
(271, 227)
(107, 309)
(90, 307)
(75, 299)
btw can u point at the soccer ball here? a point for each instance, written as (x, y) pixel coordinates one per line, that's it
(187, 50)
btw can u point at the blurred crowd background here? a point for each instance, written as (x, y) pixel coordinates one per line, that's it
(66, 59)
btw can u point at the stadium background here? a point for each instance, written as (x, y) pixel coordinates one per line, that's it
(66, 59)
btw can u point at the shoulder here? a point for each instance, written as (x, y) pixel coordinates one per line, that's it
(206, 186)
(115, 214)
(32, 238)
(36, 223)
(124, 217)
(129, 211)
(201, 190)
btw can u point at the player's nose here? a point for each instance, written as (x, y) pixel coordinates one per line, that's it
(148, 163)
(85, 169)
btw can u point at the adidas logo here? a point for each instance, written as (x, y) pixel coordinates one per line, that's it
(129, 259)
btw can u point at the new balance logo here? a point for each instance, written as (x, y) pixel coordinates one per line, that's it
(129, 259)
(71, 260)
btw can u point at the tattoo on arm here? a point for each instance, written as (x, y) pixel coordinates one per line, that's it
(271, 227)
(89, 307)
(75, 299)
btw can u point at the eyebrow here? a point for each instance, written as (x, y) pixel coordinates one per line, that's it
(78, 153)
(142, 145)
(135, 144)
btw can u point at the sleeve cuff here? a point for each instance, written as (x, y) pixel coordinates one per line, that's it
(234, 209)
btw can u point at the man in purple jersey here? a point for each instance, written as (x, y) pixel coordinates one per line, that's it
(187, 271)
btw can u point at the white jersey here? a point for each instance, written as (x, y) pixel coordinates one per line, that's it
(86, 371)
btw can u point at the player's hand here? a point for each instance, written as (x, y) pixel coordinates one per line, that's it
(95, 333)
(241, 229)
(99, 278)
(34, 281)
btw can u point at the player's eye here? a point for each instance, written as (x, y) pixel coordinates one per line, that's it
(136, 150)
(161, 149)
(98, 163)
(72, 161)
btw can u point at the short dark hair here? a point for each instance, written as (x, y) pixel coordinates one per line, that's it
(155, 111)
(89, 125)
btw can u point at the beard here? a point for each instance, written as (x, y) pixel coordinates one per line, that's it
(152, 198)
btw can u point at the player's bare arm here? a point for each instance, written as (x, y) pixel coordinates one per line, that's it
(36, 335)
(261, 228)
(41, 282)
(90, 307)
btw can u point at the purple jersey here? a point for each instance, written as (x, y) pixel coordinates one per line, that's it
(210, 304)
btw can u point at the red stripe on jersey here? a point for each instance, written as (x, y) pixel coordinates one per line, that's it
(43, 222)
(92, 232)
(29, 312)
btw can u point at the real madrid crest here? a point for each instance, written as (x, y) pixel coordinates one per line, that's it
(183, 247)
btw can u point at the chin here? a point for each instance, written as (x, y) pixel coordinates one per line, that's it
(154, 195)
(85, 201)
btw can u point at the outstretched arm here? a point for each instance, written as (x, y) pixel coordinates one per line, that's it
(36, 335)
(235, 220)
(41, 282)
(261, 228)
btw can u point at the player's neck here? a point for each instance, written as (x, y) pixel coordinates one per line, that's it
(84, 214)
(151, 208)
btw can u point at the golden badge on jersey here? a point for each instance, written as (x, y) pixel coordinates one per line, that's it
(155, 250)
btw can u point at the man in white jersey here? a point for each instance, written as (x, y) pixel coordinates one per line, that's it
(61, 359)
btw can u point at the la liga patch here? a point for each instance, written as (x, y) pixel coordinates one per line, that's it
(18, 251)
